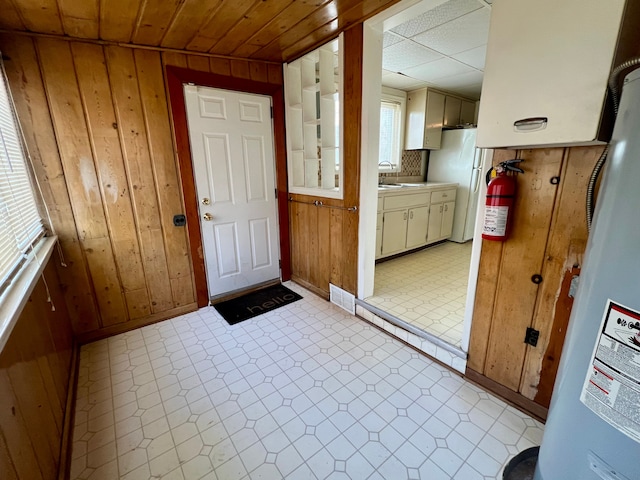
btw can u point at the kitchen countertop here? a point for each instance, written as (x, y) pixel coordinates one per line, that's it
(412, 186)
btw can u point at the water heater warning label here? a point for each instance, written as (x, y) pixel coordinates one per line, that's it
(612, 387)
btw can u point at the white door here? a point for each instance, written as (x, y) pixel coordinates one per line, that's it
(233, 159)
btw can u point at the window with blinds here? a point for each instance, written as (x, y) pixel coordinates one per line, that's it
(20, 221)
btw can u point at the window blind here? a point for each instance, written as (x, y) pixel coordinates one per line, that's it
(20, 221)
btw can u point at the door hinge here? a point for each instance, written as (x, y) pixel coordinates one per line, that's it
(271, 108)
(276, 190)
(531, 337)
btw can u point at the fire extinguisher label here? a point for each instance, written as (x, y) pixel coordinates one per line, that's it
(495, 220)
(612, 385)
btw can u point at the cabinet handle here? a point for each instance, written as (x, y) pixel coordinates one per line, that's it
(446, 208)
(440, 208)
(411, 215)
(531, 124)
(405, 215)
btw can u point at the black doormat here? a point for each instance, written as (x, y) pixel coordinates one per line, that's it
(255, 303)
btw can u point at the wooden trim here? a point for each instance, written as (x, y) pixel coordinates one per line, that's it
(129, 45)
(176, 77)
(514, 399)
(66, 444)
(133, 324)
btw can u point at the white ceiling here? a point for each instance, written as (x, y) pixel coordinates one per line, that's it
(444, 48)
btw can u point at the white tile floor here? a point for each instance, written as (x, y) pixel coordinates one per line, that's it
(306, 391)
(427, 289)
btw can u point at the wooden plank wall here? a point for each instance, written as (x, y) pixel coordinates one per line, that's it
(34, 384)
(324, 240)
(98, 128)
(548, 238)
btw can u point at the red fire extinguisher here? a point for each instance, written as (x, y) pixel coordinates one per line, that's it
(501, 194)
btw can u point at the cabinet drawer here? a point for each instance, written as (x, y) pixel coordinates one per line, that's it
(443, 196)
(412, 200)
(379, 204)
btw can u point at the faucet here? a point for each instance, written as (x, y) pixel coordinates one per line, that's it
(390, 165)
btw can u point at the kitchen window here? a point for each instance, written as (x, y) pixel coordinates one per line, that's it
(20, 222)
(392, 109)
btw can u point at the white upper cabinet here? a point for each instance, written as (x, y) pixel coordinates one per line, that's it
(546, 71)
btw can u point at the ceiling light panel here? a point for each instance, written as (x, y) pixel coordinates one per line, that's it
(459, 35)
(438, 16)
(406, 54)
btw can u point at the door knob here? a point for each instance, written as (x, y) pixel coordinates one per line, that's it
(207, 216)
(206, 201)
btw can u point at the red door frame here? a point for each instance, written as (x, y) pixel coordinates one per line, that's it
(176, 78)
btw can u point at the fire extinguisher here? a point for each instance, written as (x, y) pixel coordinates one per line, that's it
(501, 194)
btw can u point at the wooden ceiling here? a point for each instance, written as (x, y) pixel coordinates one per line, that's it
(275, 30)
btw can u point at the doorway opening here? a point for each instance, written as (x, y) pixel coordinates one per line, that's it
(426, 288)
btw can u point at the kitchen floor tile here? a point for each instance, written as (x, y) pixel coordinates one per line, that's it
(427, 289)
(304, 391)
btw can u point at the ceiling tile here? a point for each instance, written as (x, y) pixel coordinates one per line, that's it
(389, 39)
(402, 82)
(459, 35)
(445, 67)
(439, 15)
(406, 54)
(463, 80)
(474, 57)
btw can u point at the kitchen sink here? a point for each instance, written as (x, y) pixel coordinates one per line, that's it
(390, 185)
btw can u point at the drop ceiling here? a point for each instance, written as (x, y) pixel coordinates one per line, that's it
(443, 48)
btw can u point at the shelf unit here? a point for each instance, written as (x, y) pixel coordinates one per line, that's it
(313, 111)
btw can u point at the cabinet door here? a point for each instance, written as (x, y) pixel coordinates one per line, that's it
(417, 227)
(451, 111)
(415, 119)
(554, 66)
(447, 219)
(433, 120)
(467, 112)
(435, 222)
(394, 231)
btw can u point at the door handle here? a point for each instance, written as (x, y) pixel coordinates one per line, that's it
(207, 216)
(206, 201)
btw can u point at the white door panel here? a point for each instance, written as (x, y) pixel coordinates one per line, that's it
(233, 156)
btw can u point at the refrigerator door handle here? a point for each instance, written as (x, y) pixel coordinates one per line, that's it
(475, 180)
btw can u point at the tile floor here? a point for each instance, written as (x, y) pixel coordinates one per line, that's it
(306, 391)
(427, 289)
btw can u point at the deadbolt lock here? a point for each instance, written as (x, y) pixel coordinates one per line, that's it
(206, 201)
(208, 217)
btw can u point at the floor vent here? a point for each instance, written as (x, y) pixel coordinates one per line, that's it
(342, 298)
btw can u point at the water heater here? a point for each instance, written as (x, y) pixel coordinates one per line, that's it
(593, 427)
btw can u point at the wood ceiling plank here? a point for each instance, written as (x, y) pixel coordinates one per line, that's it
(40, 16)
(118, 19)
(10, 18)
(321, 18)
(260, 15)
(80, 19)
(155, 18)
(284, 21)
(217, 26)
(188, 22)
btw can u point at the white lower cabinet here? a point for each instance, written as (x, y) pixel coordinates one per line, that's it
(407, 221)
(440, 221)
(417, 227)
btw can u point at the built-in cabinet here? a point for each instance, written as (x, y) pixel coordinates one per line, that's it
(545, 80)
(409, 219)
(441, 215)
(428, 111)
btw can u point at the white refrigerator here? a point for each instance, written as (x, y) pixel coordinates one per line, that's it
(459, 161)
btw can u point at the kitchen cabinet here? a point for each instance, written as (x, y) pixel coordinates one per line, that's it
(452, 107)
(404, 219)
(467, 112)
(545, 79)
(441, 215)
(425, 114)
